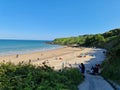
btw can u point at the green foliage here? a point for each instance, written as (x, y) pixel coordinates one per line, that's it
(86, 40)
(111, 33)
(71, 40)
(111, 69)
(111, 66)
(29, 77)
(94, 40)
(97, 40)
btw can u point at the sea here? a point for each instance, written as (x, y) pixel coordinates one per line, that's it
(11, 47)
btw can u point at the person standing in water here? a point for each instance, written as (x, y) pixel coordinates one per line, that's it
(82, 67)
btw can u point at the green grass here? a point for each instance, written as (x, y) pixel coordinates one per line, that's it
(30, 77)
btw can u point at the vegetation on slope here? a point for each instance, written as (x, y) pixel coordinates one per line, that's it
(29, 77)
(70, 40)
(109, 40)
(98, 40)
(111, 66)
(85, 40)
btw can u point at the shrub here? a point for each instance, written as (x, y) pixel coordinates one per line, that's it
(30, 77)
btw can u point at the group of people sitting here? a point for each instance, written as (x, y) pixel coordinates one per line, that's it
(95, 69)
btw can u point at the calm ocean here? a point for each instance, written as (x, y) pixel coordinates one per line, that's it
(9, 47)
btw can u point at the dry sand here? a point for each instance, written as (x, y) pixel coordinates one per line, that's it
(56, 58)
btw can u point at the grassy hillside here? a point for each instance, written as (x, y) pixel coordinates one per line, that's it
(29, 77)
(109, 40)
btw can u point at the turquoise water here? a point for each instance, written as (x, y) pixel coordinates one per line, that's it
(9, 47)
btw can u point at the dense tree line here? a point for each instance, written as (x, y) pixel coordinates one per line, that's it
(70, 40)
(86, 40)
(98, 40)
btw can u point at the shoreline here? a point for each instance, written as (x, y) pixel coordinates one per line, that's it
(57, 58)
(30, 51)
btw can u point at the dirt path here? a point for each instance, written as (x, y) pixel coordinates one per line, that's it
(95, 82)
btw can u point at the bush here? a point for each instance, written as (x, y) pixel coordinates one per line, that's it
(30, 77)
(111, 69)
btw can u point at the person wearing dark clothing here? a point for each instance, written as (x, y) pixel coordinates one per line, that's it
(92, 70)
(82, 67)
(95, 70)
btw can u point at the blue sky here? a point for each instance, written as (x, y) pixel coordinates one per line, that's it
(50, 19)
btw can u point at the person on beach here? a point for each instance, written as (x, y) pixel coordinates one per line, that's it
(82, 68)
(17, 56)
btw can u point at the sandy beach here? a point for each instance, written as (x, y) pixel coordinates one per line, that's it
(57, 58)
